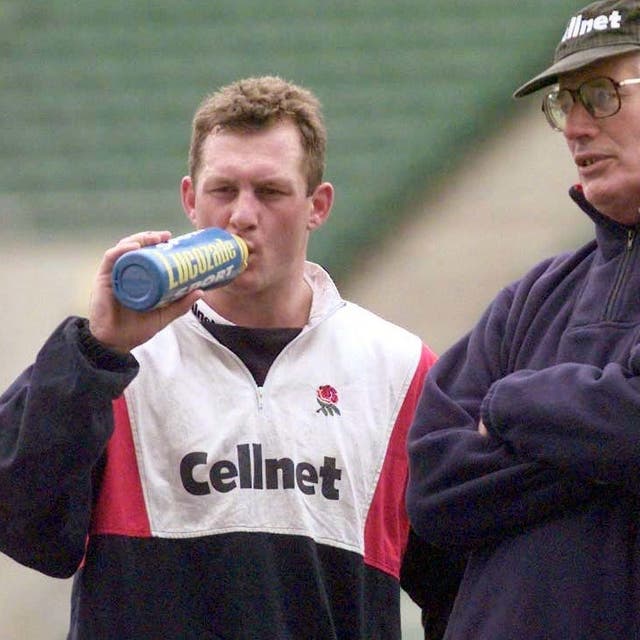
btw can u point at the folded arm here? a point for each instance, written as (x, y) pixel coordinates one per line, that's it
(468, 488)
(578, 418)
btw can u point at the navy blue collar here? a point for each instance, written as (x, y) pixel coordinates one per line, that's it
(612, 236)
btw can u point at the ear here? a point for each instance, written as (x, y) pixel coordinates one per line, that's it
(321, 203)
(188, 198)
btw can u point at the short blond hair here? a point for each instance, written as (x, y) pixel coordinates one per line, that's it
(254, 104)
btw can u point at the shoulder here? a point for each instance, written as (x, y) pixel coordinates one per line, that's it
(371, 334)
(558, 267)
(549, 277)
(371, 322)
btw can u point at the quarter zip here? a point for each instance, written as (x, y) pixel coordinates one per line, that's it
(259, 390)
(621, 275)
(243, 366)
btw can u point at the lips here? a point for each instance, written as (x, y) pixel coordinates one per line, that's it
(584, 160)
(250, 247)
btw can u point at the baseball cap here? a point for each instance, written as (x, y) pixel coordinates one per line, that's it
(600, 30)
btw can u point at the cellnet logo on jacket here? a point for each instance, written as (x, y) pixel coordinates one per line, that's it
(251, 470)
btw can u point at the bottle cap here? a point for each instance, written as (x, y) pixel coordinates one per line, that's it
(135, 283)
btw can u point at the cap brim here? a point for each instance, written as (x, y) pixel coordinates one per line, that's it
(572, 63)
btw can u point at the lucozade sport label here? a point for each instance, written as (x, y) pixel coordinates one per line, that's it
(157, 275)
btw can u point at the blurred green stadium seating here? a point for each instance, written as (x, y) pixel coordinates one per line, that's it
(97, 98)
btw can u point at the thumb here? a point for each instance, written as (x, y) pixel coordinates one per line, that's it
(179, 307)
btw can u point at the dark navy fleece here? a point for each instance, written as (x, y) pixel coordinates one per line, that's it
(548, 503)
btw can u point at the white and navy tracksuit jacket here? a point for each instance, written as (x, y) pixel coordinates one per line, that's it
(217, 508)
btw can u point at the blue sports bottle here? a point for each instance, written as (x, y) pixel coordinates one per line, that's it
(154, 276)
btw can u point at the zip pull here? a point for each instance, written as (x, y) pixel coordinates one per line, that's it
(260, 398)
(631, 236)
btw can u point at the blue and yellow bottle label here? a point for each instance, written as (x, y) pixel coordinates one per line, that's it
(154, 276)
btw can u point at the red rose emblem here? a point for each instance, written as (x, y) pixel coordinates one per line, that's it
(328, 394)
(327, 398)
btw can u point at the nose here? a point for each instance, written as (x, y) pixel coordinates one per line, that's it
(244, 211)
(579, 123)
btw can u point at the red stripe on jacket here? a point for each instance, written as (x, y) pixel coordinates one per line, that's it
(387, 526)
(120, 508)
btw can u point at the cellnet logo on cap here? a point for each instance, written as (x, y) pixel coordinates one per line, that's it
(598, 31)
(579, 26)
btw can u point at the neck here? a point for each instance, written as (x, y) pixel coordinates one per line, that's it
(264, 310)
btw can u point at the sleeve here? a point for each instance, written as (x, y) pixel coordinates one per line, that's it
(576, 417)
(466, 489)
(431, 576)
(55, 420)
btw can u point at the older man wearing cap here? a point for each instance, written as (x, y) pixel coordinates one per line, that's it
(525, 450)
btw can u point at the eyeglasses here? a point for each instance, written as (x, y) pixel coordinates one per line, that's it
(599, 96)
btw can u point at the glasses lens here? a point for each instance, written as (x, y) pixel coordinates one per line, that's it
(556, 106)
(600, 97)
